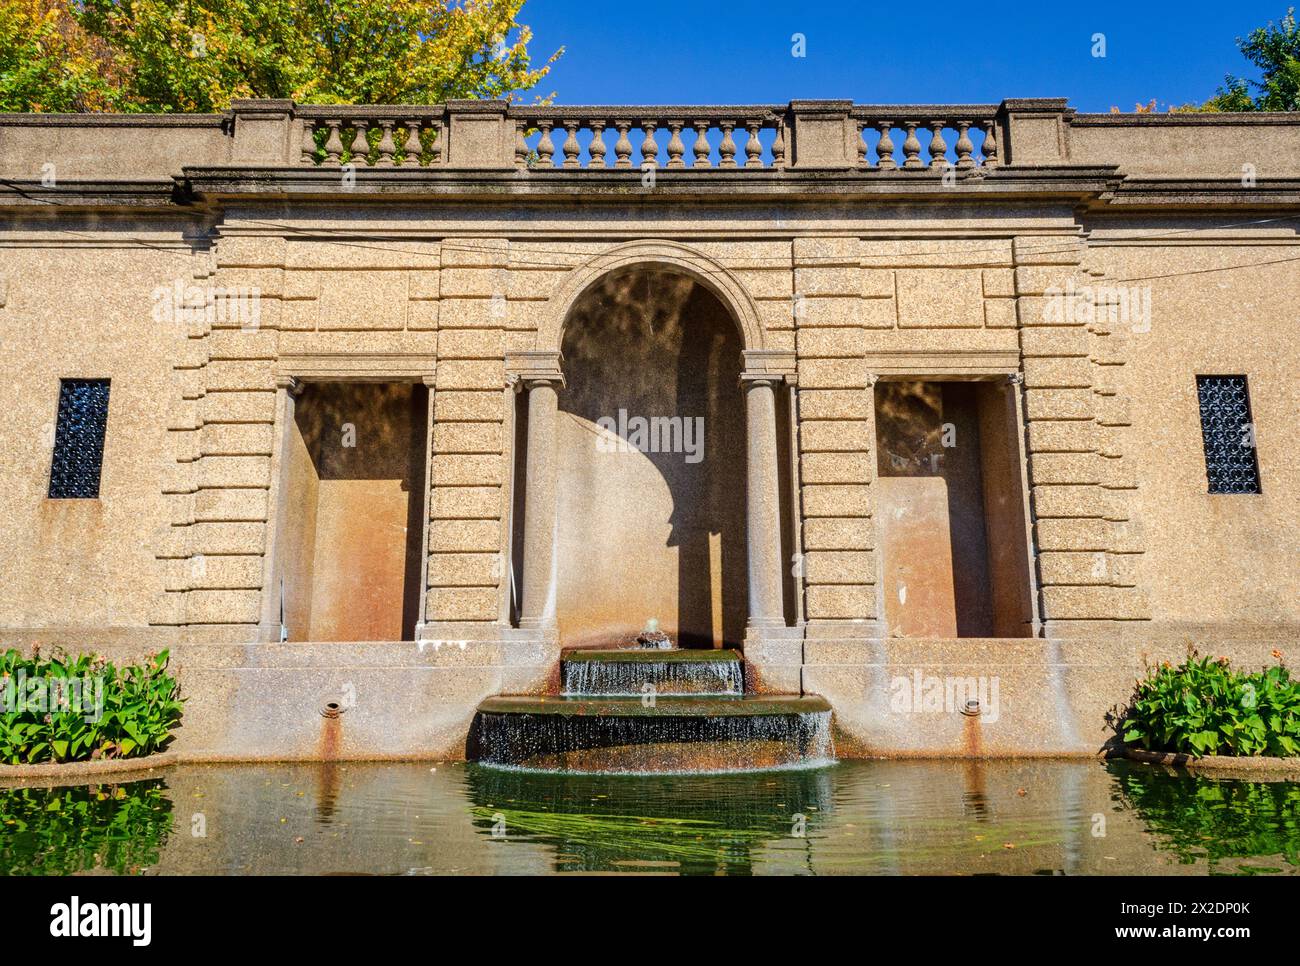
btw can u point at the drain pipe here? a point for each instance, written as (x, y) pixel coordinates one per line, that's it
(331, 731)
(971, 732)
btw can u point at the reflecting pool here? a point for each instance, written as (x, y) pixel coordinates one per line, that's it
(881, 817)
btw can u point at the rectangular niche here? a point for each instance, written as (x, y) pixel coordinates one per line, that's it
(950, 510)
(352, 512)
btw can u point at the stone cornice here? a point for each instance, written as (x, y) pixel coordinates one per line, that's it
(30, 193)
(1164, 193)
(1074, 183)
(1095, 187)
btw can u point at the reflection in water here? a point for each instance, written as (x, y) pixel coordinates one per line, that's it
(58, 831)
(877, 817)
(701, 824)
(1219, 822)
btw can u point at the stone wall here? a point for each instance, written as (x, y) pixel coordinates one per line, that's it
(212, 309)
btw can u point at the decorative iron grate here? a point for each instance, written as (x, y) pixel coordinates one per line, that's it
(1229, 434)
(79, 439)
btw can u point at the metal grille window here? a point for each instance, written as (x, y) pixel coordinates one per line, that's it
(79, 439)
(1228, 433)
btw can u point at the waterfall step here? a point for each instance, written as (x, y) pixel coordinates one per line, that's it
(637, 672)
(633, 735)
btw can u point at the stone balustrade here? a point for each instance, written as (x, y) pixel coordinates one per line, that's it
(544, 140)
(885, 138)
(402, 135)
(725, 137)
(919, 136)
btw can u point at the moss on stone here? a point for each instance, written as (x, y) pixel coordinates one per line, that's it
(638, 655)
(711, 706)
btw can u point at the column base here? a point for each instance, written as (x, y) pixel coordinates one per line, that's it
(773, 658)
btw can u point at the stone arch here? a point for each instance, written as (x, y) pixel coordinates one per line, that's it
(663, 255)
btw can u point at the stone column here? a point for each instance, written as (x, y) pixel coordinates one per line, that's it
(537, 607)
(763, 504)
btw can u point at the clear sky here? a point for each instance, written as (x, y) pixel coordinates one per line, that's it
(732, 51)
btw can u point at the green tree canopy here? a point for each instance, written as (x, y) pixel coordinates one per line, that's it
(1275, 50)
(196, 55)
(48, 62)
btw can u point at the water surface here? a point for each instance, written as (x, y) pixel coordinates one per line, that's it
(890, 817)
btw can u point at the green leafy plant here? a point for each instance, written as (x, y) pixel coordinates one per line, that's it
(59, 710)
(1205, 707)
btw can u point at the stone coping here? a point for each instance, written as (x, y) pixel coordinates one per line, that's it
(646, 655)
(75, 771)
(1259, 767)
(677, 705)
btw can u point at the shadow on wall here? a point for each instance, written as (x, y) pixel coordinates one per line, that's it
(951, 510)
(352, 539)
(651, 465)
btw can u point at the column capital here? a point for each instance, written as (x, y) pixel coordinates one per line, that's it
(525, 368)
(768, 365)
(293, 384)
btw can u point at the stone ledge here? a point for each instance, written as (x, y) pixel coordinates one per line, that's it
(1261, 768)
(75, 771)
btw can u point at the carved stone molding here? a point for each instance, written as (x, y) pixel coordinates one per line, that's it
(356, 367)
(534, 365)
(947, 363)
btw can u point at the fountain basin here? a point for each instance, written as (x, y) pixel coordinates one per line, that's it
(712, 733)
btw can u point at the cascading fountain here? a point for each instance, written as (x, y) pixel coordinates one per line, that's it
(652, 708)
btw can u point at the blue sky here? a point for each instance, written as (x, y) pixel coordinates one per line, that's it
(701, 52)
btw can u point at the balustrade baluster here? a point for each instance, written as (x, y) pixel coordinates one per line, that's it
(308, 142)
(572, 149)
(435, 145)
(597, 147)
(861, 146)
(386, 146)
(727, 149)
(676, 146)
(623, 146)
(990, 147)
(334, 143)
(964, 145)
(649, 146)
(885, 148)
(412, 148)
(521, 144)
(938, 146)
(702, 148)
(360, 145)
(778, 145)
(753, 147)
(545, 147)
(911, 147)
